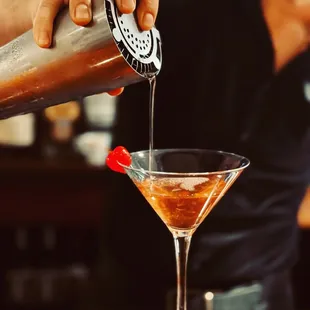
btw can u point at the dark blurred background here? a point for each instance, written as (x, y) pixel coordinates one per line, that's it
(53, 186)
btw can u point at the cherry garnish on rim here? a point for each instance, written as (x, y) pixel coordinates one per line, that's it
(116, 157)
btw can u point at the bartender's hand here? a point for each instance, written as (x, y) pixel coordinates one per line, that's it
(81, 13)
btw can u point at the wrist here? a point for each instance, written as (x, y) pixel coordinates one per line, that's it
(289, 32)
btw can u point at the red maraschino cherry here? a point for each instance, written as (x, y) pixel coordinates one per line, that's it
(116, 157)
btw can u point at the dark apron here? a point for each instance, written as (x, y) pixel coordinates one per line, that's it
(272, 293)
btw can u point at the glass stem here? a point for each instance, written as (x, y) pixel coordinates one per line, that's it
(182, 244)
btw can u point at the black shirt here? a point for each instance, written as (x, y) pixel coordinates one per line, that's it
(216, 90)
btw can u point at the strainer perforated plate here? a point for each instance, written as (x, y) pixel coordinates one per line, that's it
(141, 49)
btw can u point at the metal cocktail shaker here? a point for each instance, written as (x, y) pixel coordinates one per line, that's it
(109, 53)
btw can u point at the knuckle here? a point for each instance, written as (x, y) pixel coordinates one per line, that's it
(76, 2)
(151, 4)
(47, 4)
(52, 5)
(45, 8)
(46, 11)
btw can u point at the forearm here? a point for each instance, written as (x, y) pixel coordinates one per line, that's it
(288, 30)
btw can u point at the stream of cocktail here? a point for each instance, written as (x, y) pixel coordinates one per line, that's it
(152, 82)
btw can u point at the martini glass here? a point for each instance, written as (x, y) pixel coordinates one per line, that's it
(183, 186)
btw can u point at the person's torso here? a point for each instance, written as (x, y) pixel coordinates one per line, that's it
(252, 231)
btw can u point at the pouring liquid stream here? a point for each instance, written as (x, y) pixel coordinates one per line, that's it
(152, 82)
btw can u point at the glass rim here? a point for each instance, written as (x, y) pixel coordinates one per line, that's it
(188, 174)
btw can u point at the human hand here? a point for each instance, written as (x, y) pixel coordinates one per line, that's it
(81, 14)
